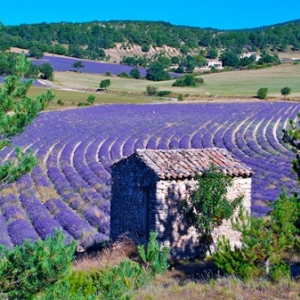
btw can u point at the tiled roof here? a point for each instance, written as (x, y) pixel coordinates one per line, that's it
(183, 163)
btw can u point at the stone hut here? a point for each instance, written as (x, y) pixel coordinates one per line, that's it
(148, 188)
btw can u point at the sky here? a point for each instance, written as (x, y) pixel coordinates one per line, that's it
(218, 14)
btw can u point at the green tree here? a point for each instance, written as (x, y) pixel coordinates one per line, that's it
(104, 84)
(31, 268)
(17, 110)
(78, 65)
(262, 93)
(229, 59)
(135, 73)
(46, 71)
(35, 52)
(212, 53)
(268, 244)
(285, 91)
(209, 205)
(156, 72)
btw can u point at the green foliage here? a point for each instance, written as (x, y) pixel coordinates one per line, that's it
(83, 104)
(163, 93)
(285, 91)
(186, 80)
(180, 97)
(262, 93)
(60, 102)
(292, 136)
(209, 205)
(46, 71)
(31, 268)
(119, 282)
(135, 73)
(35, 52)
(15, 169)
(155, 259)
(229, 59)
(105, 83)
(156, 72)
(267, 243)
(77, 65)
(91, 99)
(123, 75)
(151, 90)
(17, 110)
(107, 73)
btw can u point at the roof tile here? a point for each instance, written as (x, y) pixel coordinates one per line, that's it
(183, 163)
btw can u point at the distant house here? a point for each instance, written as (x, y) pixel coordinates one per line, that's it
(148, 188)
(215, 63)
(249, 54)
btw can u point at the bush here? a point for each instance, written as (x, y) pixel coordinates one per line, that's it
(155, 259)
(83, 104)
(151, 90)
(91, 99)
(180, 97)
(123, 75)
(285, 91)
(267, 243)
(163, 93)
(199, 80)
(262, 93)
(187, 80)
(31, 268)
(59, 102)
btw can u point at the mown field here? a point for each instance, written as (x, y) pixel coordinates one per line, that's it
(229, 84)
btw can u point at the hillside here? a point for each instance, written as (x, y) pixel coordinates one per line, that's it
(114, 39)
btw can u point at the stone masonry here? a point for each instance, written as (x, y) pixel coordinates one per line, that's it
(148, 189)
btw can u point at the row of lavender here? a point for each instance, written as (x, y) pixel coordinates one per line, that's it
(70, 189)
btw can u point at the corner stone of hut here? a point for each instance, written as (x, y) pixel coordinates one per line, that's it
(148, 188)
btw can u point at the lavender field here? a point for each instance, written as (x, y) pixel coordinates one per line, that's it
(70, 189)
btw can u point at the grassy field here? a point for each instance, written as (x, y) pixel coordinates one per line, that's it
(237, 83)
(71, 88)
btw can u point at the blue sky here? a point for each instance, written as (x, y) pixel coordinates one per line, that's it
(218, 14)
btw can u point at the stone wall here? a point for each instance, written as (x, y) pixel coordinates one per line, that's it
(141, 202)
(171, 224)
(133, 196)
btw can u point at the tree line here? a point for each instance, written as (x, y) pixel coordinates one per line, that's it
(88, 40)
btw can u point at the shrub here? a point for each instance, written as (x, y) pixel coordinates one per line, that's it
(151, 90)
(267, 243)
(59, 102)
(199, 80)
(91, 99)
(155, 259)
(209, 205)
(123, 75)
(33, 267)
(187, 80)
(83, 104)
(163, 93)
(180, 97)
(107, 73)
(262, 93)
(285, 91)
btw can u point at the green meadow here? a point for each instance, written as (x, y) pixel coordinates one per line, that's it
(71, 88)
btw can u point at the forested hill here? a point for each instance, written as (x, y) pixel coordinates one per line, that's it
(89, 40)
